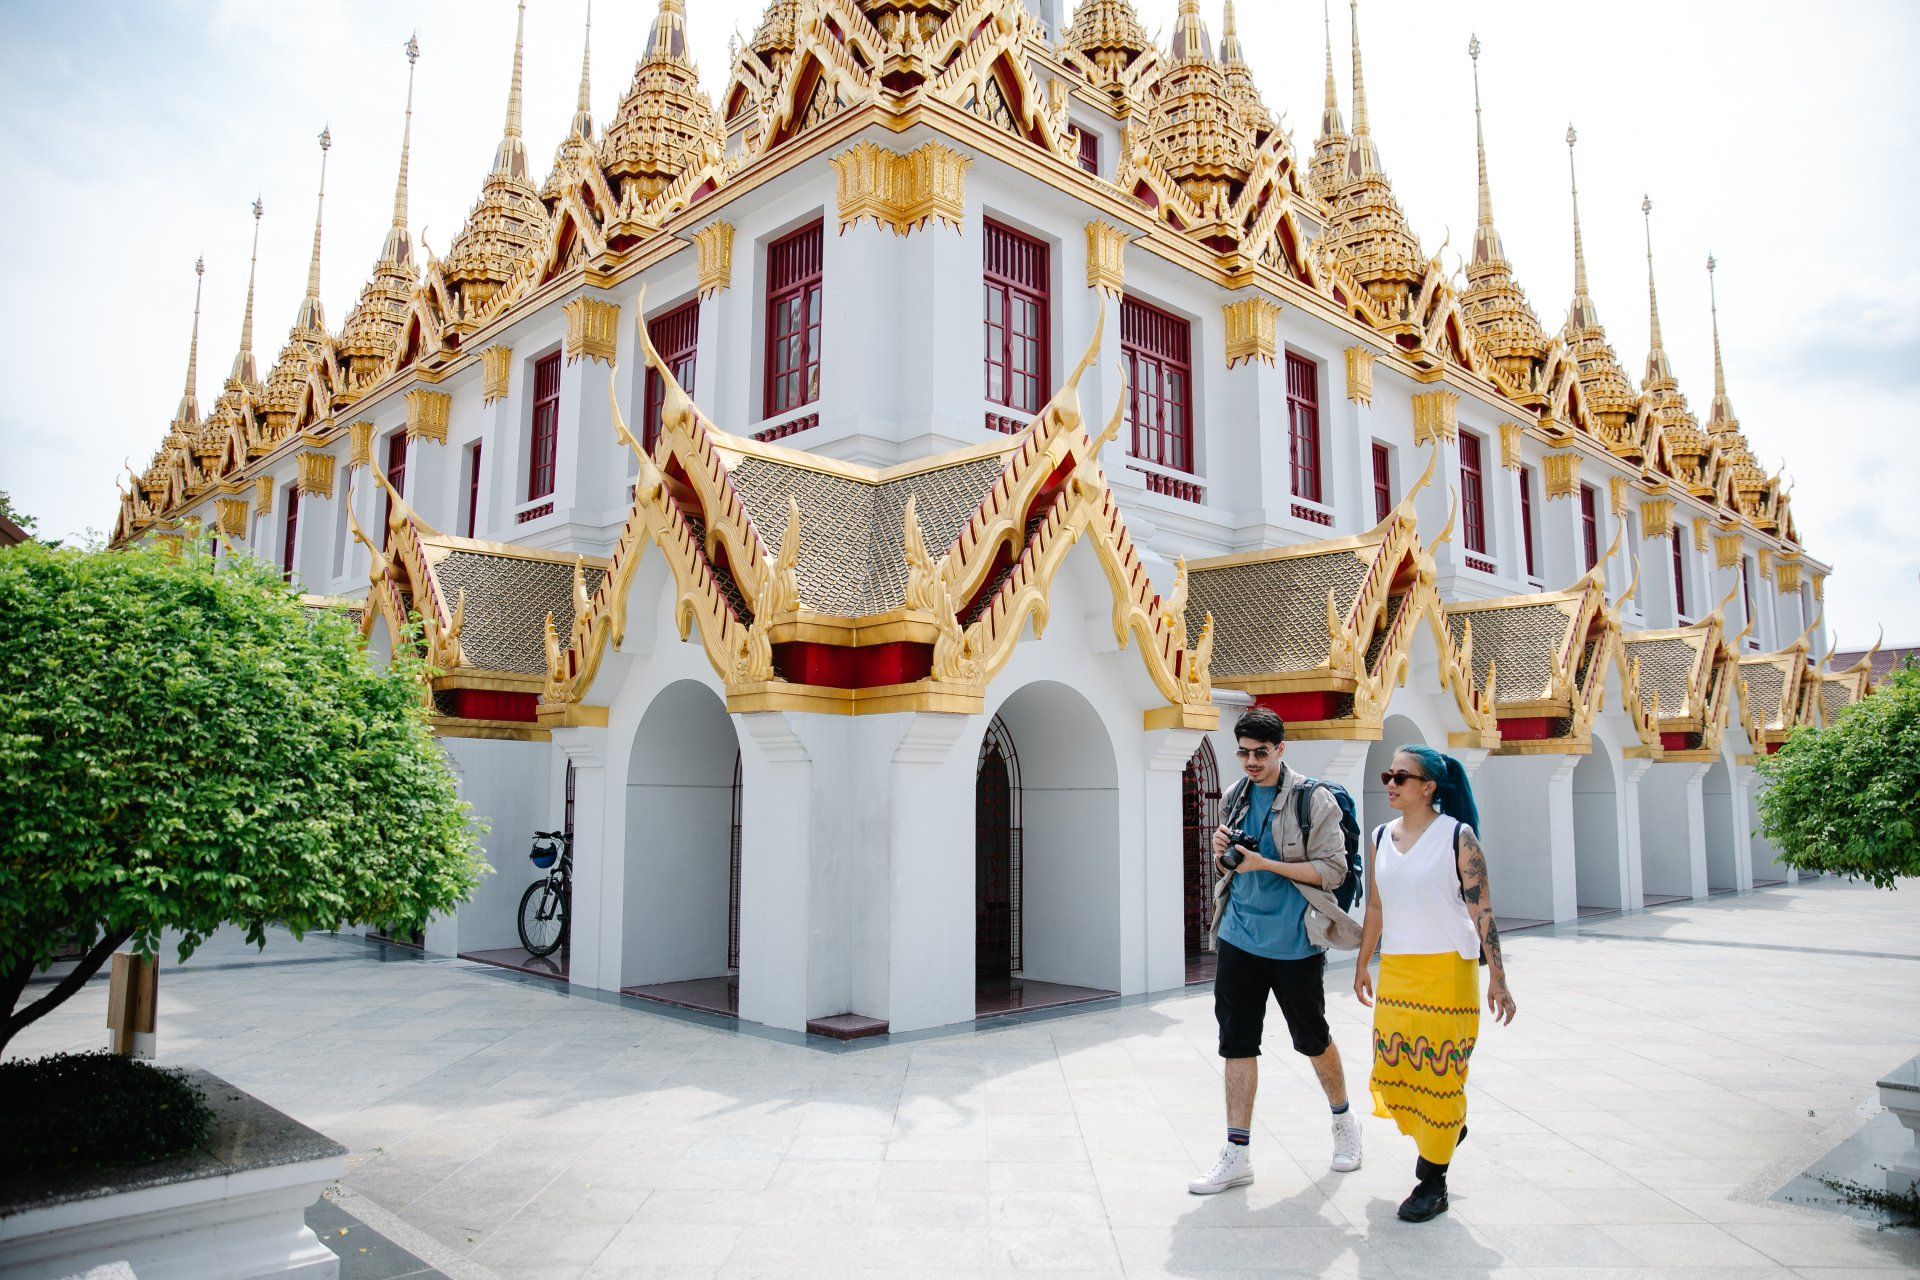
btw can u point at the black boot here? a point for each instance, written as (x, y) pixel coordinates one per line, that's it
(1429, 1198)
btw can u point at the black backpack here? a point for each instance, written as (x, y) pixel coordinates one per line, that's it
(1353, 888)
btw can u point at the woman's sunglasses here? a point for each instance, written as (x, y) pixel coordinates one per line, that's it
(1400, 777)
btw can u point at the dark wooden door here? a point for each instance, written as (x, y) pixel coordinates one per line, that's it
(1199, 815)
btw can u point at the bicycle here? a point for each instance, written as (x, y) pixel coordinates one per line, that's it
(543, 907)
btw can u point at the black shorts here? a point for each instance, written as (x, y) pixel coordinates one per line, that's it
(1241, 981)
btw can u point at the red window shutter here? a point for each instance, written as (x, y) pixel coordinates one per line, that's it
(676, 336)
(546, 426)
(396, 474)
(291, 532)
(1473, 508)
(1303, 426)
(1526, 517)
(1089, 148)
(1157, 349)
(794, 276)
(473, 490)
(1679, 578)
(1382, 482)
(1589, 526)
(1018, 301)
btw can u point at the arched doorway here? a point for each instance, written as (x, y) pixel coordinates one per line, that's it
(1199, 815)
(996, 864)
(680, 918)
(1599, 878)
(1047, 863)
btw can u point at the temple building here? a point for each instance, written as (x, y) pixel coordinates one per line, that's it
(857, 509)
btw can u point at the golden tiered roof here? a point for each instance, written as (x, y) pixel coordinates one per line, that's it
(373, 326)
(508, 223)
(1368, 233)
(1665, 417)
(1111, 45)
(1604, 386)
(308, 343)
(575, 153)
(666, 124)
(1241, 90)
(1203, 138)
(1495, 304)
(1330, 148)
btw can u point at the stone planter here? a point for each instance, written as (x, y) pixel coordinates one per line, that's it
(231, 1211)
(1900, 1094)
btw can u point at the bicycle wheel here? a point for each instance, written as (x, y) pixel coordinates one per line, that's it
(543, 919)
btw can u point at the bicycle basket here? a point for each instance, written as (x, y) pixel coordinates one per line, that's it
(544, 855)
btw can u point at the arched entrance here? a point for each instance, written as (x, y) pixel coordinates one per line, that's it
(1046, 869)
(1599, 878)
(680, 919)
(1199, 815)
(996, 864)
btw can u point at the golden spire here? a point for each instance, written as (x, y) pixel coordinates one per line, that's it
(665, 125)
(1331, 124)
(1722, 417)
(189, 410)
(1583, 314)
(1496, 305)
(1486, 241)
(311, 318)
(583, 109)
(1190, 39)
(668, 38)
(1230, 51)
(1656, 349)
(244, 373)
(1362, 156)
(510, 159)
(1329, 169)
(399, 246)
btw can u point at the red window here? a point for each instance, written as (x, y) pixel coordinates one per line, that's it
(1679, 579)
(473, 489)
(1746, 599)
(1382, 481)
(291, 531)
(1157, 349)
(1303, 426)
(1589, 525)
(676, 336)
(1526, 518)
(1089, 143)
(793, 320)
(396, 473)
(1473, 497)
(546, 426)
(1016, 310)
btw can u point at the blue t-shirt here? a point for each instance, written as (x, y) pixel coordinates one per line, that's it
(1265, 914)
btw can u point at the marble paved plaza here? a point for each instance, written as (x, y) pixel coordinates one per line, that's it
(1669, 1070)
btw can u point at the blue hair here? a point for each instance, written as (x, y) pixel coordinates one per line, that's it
(1452, 794)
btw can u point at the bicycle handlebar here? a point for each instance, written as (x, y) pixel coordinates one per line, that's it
(549, 835)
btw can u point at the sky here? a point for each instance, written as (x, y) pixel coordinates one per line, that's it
(1779, 137)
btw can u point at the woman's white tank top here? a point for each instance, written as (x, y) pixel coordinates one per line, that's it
(1422, 913)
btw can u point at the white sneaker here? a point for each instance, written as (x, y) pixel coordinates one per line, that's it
(1233, 1169)
(1346, 1142)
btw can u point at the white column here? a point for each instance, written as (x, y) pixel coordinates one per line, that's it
(1741, 801)
(1526, 810)
(593, 949)
(1152, 939)
(1632, 854)
(1673, 830)
(930, 876)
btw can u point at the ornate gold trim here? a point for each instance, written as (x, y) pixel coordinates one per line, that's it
(901, 191)
(427, 414)
(1727, 549)
(1563, 474)
(1252, 330)
(593, 327)
(1436, 417)
(1656, 518)
(1702, 529)
(1511, 434)
(1618, 489)
(230, 514)
(1765, 557)
(263, 487)
(1360, 375)
(715, 242)
(1106, 258)
(359, 444)
(316, 473)
(1786, 574)
(496, 371)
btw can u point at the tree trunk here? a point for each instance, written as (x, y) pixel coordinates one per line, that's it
(16, 982)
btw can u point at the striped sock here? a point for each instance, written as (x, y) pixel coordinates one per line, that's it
(1239, 1137)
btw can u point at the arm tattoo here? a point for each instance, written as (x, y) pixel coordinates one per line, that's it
(1478, 893)
(1490, 939)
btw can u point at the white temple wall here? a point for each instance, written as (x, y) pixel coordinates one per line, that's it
(1673, 831)
(1527, 824)
(1601, 877)
(509, 786)
(1726, 869)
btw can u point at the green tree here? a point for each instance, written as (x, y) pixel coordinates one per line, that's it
(26, 522)
(1846, 797)
(182, 746)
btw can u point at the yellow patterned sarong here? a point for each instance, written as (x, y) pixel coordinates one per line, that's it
(1426, 1016)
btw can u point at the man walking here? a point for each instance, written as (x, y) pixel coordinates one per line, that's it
(1274, 915)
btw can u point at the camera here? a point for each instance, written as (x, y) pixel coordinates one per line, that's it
(1237, 851)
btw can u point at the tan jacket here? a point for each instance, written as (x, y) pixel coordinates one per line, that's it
(1327, 925)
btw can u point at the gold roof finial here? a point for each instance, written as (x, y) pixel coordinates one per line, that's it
(1722, 417)
(1230, 51)
(399, 246)
(1583, 314)
(1362, 156)
(1486, 241)
(189, 410)
(510, 159)
(1656, 350)
(669, 34)
(1331, 125)
(583, 109)
(244, 373)
(311, 317)
(1190, 39)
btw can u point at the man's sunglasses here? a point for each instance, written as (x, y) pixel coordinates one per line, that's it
(1260, 754)
(1400, 777)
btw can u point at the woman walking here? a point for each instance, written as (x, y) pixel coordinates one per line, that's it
(1430, 914)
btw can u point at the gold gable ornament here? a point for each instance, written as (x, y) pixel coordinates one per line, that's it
(593, 327)
(901, 191)
(1701, 529)
(1617, 490)
(1726, 550)
(1563, 474)
(1819, 585)
(359, 444)
(1360, 376)
(1656, 519)
(316, 473)
(1511, 434)
(1436, 417)
(427, 413)
(1766, 563)
(496, 371)
(1252, 331)
(263, 494)
(1106, 258)
(715, 242)
(231, 516)
(1786, 576)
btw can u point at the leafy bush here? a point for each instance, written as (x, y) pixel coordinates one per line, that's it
(183, 745)
(1846, 797)
(77, 1112)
